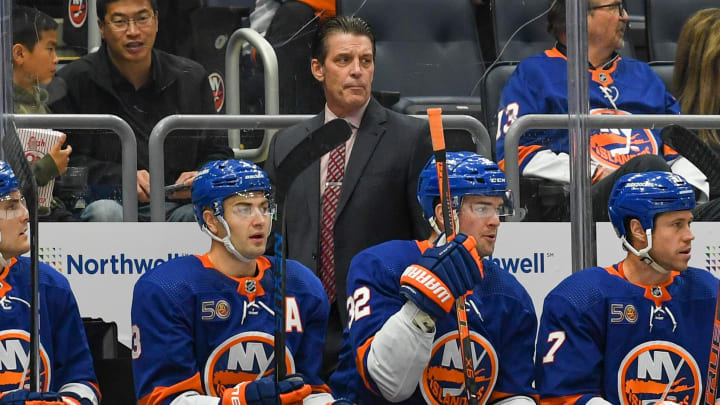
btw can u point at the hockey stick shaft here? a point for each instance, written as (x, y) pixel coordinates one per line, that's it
(438, 144)
(714, 362)
(311, 148)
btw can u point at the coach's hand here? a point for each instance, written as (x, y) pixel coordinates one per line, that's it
(25, 397)
(443, 274)
(264, 391)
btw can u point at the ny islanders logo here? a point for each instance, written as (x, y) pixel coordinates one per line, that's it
(612, 147)
(443, 380)
(217, 85)
(14, 357)
(242, 357)
(77, 11)
(658, 367)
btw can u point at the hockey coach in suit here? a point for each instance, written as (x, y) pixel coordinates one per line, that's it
(363, 192)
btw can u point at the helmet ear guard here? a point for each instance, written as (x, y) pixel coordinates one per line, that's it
(643, 196)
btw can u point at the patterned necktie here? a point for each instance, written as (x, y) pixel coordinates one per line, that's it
(333, 183)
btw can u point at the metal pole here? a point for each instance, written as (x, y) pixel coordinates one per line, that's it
(173, 122)
(582, 226)
(232, 90)
(98, 121)
(93, 30)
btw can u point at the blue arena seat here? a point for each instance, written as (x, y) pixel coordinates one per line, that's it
(665, 19)
(425, 48)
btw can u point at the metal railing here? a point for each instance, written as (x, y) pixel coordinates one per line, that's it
(553, 121)
(232, 90)
(174, 122)
(98, 121)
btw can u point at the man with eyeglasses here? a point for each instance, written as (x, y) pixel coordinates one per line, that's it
(617, 86)
(128, 78)
(203, 325)
(401, 341)
(67, 375)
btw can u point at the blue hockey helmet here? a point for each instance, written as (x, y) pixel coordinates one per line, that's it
(8, 182)
(220, 179)
(468, 174)
(645, 195)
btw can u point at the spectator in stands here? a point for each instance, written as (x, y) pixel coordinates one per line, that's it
(696, 84)
(366, 188)
(141, 85)
(34, 63)
(618, 86)
(696, 78)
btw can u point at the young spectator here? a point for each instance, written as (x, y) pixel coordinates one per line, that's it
(617, 86)
(66, 374)
(401, 343)
(637, 332)
(141, 85)
(34, 63)
(696, 78)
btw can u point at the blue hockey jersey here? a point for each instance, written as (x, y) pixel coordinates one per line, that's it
(622, 86)
(197, 329)
(502, 324)
(65, 359)
(601, 335)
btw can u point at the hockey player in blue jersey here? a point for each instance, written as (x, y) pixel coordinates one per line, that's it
(203, 325)
(66, 374)
(639, 331)
(401, 341)
(618, 85)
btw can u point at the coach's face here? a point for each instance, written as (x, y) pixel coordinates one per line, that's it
(14, 219)
(346, 73)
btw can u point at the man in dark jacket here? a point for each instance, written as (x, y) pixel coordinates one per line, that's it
(141, 85)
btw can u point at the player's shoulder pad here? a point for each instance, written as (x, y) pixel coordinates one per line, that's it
(300, 279)
(179, 273)
(497, 281)
(385, 261)
(48, 275)
(587, 287)
(699, 283)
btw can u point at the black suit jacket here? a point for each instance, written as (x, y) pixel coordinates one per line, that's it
(378, 199)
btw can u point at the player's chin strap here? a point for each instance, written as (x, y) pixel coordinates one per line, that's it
(226, 240)
(643, 253)
(434, 225)
(3, 261)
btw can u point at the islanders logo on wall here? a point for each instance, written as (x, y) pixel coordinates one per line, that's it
(217, 85)
(653, 368)
(613, 147)
(15, 346)
(77, 12)
(443, 380)
(242, 357)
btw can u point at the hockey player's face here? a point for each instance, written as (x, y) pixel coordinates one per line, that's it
(672, 239)
(484, 227)
(13, 226)
(249, 222)
(606, 26)
(346, 73)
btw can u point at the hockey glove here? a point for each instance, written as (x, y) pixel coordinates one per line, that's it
(443, 274)
(290, 390)
(25, 397)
